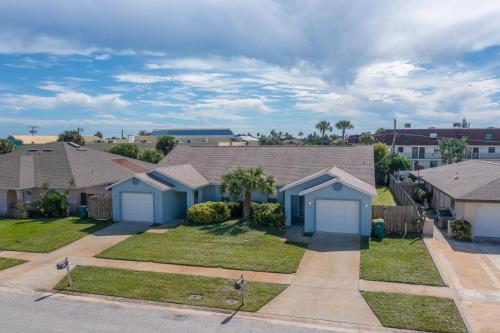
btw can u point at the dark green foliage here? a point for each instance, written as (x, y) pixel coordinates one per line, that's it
(268, 214)
(151, 155)
(236, 208)
(422, 195)
(126, 149)
(5, 146)
(52, 204)
(208, 212)
(71, 136)
(461, 230)
(165, 144)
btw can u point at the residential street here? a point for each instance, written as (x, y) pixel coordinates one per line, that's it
(26, 312)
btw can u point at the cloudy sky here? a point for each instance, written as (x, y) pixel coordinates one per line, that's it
(248, 65)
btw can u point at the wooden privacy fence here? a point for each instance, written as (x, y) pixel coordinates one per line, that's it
(99, 206)
(402, 218)
(397, 218)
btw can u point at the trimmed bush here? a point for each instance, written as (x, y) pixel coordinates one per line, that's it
(268, 214)
(20, 210)
(208, 212)
(461, 230)
(52, 204)
(236, 208)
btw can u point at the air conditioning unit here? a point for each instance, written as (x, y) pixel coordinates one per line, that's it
(433, 135)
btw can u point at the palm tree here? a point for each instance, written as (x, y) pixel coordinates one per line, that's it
(324, 126)
(343, 125)
(243, 181)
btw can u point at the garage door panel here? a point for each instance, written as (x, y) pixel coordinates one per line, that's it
(340, 216)
(487, 223)
(138, 207)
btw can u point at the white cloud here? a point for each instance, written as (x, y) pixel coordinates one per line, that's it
(63, 98)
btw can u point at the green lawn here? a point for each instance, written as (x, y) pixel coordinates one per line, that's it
(44, 235)
(171, 288)
(384, 197)
(7, 262)
(423, 313)
(397, 259)
(232, 244)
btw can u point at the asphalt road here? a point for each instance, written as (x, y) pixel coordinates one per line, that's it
(28, 312)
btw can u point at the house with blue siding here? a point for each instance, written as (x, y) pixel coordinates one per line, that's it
(322, 188)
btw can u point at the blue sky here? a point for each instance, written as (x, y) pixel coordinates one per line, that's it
(248, 65)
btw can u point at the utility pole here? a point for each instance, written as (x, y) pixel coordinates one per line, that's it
(122, 134)
(33, 130)
(393, 137)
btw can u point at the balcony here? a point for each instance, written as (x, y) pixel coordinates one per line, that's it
(437, 156)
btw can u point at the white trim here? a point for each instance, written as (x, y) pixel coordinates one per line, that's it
(306, 179)
(332, 181)
(139, 179)
(319, 186)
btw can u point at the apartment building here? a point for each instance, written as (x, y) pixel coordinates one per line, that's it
(421, 145)
(198, 136)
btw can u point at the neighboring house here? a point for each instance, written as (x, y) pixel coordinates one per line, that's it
(324, 188)
(198, 136)
(62, 166)
(471, 190)
(421, 145)
(20, 140)
(248, 140)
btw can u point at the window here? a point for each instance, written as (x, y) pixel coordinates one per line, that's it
(436, 151)
(488, 136)
(400, 149)
(434, 164)
(491, 150)
(188, 141)
(196, 196)
(406, 137)
(83, 199)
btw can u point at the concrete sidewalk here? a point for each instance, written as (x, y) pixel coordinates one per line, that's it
(40, 272)
(325, 286)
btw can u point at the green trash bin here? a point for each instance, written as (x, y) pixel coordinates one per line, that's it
(83, 212)
(378, 228)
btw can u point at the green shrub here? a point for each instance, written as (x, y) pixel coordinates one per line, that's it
(461, 230)
(52, 204)
(151, 155)
(236, 208)
(208, 212)
(126, 149)
(20, 210)
(268, 214)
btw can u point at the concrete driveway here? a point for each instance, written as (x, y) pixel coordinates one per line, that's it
(40, 272)
(325, 286)
(473, 271)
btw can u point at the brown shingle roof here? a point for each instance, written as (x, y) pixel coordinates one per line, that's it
(473, 180)
(59, 162)
(286, 163)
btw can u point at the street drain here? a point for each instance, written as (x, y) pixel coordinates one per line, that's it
(195, 296)
(232, 301)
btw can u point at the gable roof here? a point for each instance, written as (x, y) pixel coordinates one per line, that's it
(340, 176)
(185, 174)
(472, 180)
(148, 179)
(58, 163)
(217, 132)
(286, 163)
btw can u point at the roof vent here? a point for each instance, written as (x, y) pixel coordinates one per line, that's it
(32, 150)
(72, 144)
(47, 150)
(455, 176)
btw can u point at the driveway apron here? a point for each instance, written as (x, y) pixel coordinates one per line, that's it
(325, 286)
(40, 272)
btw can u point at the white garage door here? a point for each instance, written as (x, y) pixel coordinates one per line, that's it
(487, 222)
(337, 216)
(137, 207)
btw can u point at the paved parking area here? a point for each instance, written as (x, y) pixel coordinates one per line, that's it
(472, 270)
(325, 286)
